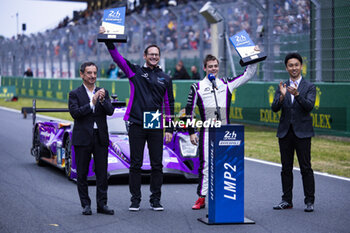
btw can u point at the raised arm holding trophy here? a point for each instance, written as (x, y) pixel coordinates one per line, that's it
(150, 90)
(213, 95)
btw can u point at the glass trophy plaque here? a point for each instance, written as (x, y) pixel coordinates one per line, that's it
(245, 49)
(114, 23)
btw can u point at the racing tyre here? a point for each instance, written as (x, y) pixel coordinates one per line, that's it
(36, 150)
(68, 158)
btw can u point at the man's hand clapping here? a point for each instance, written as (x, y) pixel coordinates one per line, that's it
(99, 95)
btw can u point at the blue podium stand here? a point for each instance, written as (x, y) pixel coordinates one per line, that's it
(226, 176)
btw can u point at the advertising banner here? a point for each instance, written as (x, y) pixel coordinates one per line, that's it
(7, 92)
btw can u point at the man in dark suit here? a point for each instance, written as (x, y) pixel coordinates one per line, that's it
(89, 106)
(296, 98)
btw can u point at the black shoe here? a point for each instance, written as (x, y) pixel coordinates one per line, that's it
(135, 206)
(155, 205)
(283, 205)
(105, 210)
(87, 210)
(309, 207)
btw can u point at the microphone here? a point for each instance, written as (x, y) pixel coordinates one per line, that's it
(211, 78)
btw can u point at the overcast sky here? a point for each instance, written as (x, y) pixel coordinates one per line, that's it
(38, 15)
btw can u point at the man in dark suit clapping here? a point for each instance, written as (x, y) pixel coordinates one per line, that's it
(296, 99)
(89, 105)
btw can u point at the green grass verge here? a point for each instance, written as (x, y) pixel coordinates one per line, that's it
(328, 154)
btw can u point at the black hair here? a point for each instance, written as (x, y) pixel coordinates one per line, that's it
(85, 64)
(150, 46)
(293, 55)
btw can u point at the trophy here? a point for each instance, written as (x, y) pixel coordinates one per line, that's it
(113, 21)
(245, 49)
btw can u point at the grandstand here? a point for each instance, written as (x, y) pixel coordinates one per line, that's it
(278, 26)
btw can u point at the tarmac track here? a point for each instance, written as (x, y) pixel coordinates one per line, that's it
(41, 199)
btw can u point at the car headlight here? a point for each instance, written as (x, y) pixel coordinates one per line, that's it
(186, 147)
(119, 152)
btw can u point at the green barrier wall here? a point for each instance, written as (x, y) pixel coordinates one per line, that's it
(250, 103)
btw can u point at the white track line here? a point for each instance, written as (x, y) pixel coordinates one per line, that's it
(246, 158)
(296, 168)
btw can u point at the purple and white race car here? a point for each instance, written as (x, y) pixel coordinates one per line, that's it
(52, 144)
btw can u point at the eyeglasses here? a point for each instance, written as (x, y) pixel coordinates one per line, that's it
(153, 54)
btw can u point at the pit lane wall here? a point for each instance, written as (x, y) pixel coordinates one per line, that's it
(250, 103)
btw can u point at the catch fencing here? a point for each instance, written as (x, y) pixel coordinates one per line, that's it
(317, 29)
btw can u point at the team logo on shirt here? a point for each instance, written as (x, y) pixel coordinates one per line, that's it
(145, 75)
(161, 80)
(152, 120)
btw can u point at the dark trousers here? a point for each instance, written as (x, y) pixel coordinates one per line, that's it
(302, 146)
(137, 139)
(82, 159)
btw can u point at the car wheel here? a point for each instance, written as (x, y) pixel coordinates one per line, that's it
(36, 148)
(68, 158)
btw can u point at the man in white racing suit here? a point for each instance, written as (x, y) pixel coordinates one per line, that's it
(201, 94)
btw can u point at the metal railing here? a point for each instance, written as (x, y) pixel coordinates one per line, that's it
(278, 27)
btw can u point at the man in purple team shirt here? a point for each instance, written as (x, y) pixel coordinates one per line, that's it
(150, 91)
